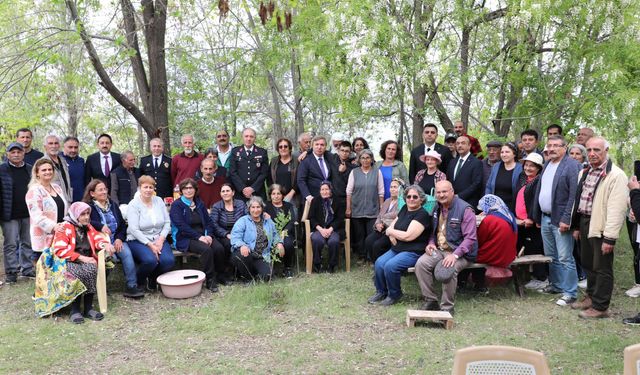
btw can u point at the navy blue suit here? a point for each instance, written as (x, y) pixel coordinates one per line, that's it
(468, 183)
(93, 168)
(309, 175)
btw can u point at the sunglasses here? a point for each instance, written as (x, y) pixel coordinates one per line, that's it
(283, 146)
(412, 196)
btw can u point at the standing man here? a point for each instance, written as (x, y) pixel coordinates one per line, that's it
(24, 136)
(458, 128)
(304, 145)
(336, 139)
(315, 169)
(186, 163)
(452, 246)
(223, 146)
(529, 140)
(340, 169)
(600, 212)
(553, 205)
(554, 129)
(465, 173)
(124, 179)
(493, 156)
(75, 165)
(100, 164)
(210, 183)
(450, 142)
(15, 175)
(583, 136)
(52, 149)
(249, 167)
(429, 136)
(158, 166)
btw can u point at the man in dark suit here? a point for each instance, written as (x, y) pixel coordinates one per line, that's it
(465, 173)
(314, 169)
(429, 135)
(249, 167)
(100, 164)
(158, 166)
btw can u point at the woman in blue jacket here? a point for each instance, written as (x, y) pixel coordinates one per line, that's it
(504, 176)
(192, 229)
(252, 238)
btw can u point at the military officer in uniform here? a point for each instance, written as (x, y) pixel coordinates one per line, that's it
(158, 166)
(249, 167)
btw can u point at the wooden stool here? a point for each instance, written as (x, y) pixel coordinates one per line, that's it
(430, 316)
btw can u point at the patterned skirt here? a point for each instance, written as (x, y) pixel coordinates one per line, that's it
(87, 273)
(56, 287)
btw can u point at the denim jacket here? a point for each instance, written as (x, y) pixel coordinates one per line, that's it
(244, 233)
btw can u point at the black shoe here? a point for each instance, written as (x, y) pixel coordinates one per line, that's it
(212, 286)
(152, 286)
(331, 269)
(377, 298)
(389, 301)
(11, 278)
(134, 292)
(288, 273)
(430, 306)
(450, 311)
(223, 281)
(317, 268)
(31, 274)
(549, 289)
(635, 321)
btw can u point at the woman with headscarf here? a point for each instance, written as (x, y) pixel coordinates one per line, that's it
(497, 233)
(74, 252)
(326, 218)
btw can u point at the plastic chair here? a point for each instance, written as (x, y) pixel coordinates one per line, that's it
(346, 243)
(632, 360)
(504, 360)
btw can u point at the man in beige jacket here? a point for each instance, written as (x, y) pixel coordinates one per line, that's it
(600, 209)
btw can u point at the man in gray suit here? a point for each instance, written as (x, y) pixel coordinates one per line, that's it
(553, 205)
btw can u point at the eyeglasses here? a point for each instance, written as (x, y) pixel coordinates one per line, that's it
(283, 146)
(365, 157)
(412, 197)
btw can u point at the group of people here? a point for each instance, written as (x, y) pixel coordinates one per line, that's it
(235, 207)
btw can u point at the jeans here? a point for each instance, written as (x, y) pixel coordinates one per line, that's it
(128, 265)
(559, 246)
(148, 265)
(17, 232)
(388, 271)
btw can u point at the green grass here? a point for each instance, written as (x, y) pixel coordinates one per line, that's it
(311, 324)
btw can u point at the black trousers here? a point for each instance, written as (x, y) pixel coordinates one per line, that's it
(376, 244)
(209, 256)
(225, 264)
(250, 267)
(631, 230)
(362, 227)
(598, 266)
(289, 252)
(531, 239)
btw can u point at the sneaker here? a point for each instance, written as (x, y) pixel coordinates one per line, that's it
(31, 274)
(389, 301)
(11, 278)
(376, 298)
(582, 284)
(565, 301)
(536, 284)
(288, 273)
(592, 313)
(635, 321)
(549, 289)
(583, 304)
(634, 292)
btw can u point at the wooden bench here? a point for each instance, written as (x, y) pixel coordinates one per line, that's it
(517, 267)
(184, 256)
(431, 316)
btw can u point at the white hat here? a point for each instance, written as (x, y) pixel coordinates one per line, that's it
(338, 137)
(535, 158)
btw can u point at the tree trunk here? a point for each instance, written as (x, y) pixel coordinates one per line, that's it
(419, 95)
(297, 94)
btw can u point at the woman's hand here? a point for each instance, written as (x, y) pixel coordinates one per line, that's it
(205, 239)
(244, 250)
(280, 248)
(117, 245)
(110, 249)
(155, 249)
(393, 241)
(88, 260)
(528, 223)
(229, 236)
(105, 229)
(347, 212)
(289, 196)
(380, 227)
(59, 228)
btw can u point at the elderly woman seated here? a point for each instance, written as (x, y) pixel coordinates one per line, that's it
(252, 238)
(326, 218)
(72, 272)
(409, 235)
(377, 243)
(193, 232)
(276, 206)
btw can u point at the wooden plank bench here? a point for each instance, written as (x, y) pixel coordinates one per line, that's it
(431, 316)
(518, 267)
(184, 256)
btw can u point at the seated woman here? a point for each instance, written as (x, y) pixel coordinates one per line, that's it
(107, 218)
(76, 246)
(409, 235)
(273, 208)
(224, 215)
(377, 243)
(252, 238)
(147, 232)
(193, 232)
(497, 233)
(326, 218)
